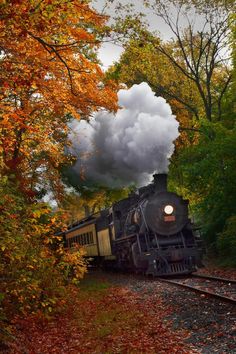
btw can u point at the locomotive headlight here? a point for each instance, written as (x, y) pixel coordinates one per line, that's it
(168, 209)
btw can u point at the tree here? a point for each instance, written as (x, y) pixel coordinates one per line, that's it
(141, 62)
(194, 72)
(199, 49)
(34, 267)
(49, 72)
(198, 54)
(226, 243)
(209, 174)
(90, 200)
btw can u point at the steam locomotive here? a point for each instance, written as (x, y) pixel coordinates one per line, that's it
(148, 232)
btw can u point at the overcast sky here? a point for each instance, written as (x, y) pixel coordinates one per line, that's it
(110, 52)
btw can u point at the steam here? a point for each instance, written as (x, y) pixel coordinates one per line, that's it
(127, 147)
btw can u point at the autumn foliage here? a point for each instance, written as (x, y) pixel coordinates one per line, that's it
(103, 319)
(196, 76)
(49, 74)
(35, 269)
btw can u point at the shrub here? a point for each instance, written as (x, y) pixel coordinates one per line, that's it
(226, 242)
(33, 263)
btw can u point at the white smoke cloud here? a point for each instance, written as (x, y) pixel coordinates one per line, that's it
(129, 146)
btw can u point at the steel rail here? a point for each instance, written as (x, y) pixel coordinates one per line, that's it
(198, 290)
(211, 277)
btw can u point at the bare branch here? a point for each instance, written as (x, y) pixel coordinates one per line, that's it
(200, 51)
(160, 89)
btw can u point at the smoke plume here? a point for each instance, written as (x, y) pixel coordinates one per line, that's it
(129, 146)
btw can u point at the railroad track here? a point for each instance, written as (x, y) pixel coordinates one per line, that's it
(220, 288)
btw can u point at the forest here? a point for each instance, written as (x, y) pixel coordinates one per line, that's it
(51, 76)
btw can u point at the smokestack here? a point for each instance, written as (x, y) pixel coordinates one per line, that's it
(160, 182)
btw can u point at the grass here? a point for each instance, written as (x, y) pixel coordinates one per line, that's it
(92, 285)
(108, 316)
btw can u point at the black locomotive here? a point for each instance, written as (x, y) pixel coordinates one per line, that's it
(148, 232)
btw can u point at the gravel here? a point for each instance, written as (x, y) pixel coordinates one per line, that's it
(211, 323)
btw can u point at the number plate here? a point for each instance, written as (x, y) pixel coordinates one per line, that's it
(169, 218)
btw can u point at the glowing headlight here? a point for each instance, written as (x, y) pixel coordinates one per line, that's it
(168, 209)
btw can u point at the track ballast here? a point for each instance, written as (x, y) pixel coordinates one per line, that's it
(220, 288)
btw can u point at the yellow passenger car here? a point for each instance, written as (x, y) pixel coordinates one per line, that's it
(93, 233)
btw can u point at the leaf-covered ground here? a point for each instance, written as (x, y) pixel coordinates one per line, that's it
(122, 313)
(218, 272)
(102, 319)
